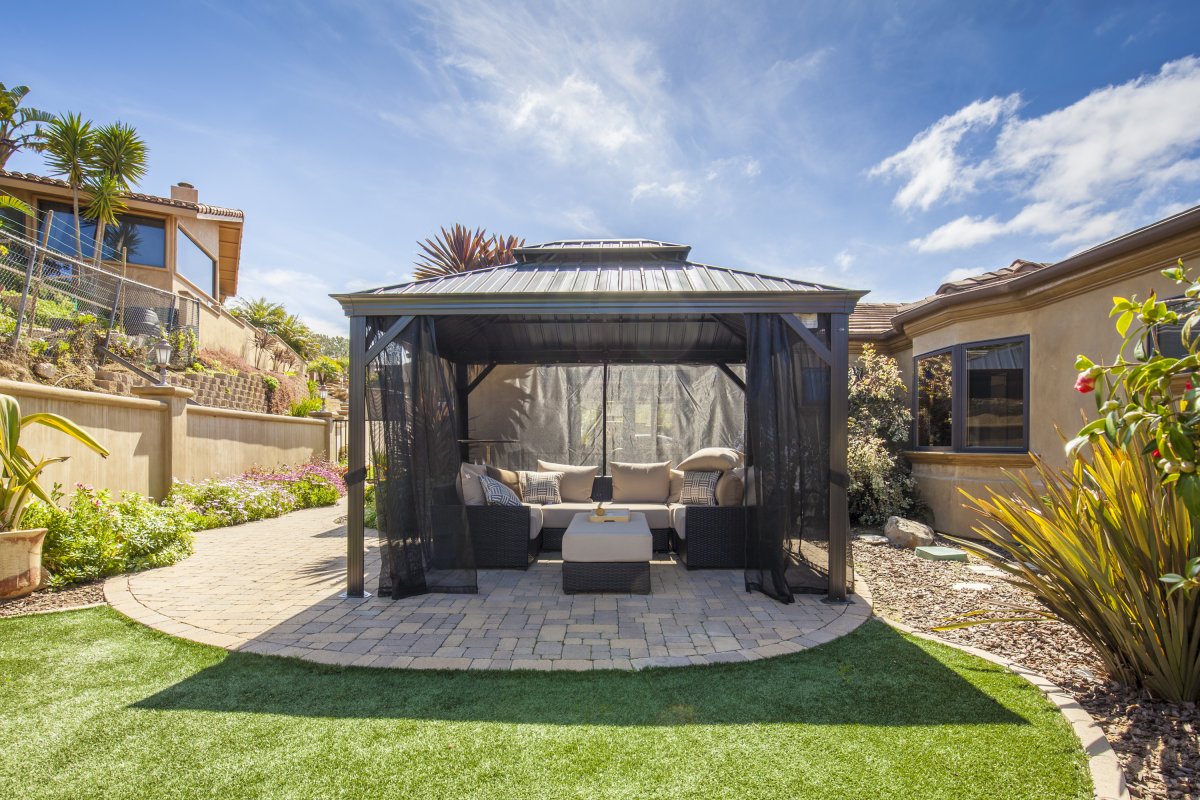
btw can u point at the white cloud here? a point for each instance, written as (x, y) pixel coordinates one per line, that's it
(680, 192)
(844, 260)
(1083, 172)
(313, 304)
(931, 164)
(961, 273)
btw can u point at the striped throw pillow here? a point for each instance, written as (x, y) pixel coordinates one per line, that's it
(699, 488)
(541, 488)
(497, 494)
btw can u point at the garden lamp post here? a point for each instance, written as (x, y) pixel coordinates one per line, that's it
(324, 397)
(162, 357)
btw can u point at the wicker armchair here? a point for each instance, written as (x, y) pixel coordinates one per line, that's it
(500, 536)
(716, 538)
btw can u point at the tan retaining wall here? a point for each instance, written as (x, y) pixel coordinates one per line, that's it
(158, 436)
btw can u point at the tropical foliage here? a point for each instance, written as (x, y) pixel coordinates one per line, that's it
(461, 249)
(274, 318)
(1093, 543)
(20, 126)
(881, 483)
(19, 484)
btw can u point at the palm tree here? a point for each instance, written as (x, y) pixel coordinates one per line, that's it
(461, 250)
(259, 312)
(16, 132)
(70, 147)
(119, 162)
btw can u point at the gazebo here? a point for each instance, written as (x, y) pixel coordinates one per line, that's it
(599, 348)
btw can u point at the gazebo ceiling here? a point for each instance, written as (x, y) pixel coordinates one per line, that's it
(562, 339)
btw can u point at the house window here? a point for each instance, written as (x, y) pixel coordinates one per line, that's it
(1167, 340)
(973, 396)
(934, 400)
(143, 238)
(195, 264)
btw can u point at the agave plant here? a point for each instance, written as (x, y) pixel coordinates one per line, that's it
(19, 481)
(1092, 544)
(461, 249)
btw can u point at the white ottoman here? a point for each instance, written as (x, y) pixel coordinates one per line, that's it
(607, 556)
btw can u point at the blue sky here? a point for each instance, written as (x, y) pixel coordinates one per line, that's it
(862, 144)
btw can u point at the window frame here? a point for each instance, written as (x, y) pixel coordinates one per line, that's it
(958, 396)
(44, 203)
(214, 279)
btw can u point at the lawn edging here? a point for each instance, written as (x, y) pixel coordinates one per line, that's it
(1108, 779)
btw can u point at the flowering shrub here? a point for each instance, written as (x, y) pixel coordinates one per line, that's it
(258, 494)
(94, 535)
(881, 483)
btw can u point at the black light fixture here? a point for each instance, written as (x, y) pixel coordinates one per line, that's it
(162, 357)
(324, 397)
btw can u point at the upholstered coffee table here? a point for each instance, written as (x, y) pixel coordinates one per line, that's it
(607, 556)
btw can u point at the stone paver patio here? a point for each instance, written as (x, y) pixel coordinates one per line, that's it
(272, 587)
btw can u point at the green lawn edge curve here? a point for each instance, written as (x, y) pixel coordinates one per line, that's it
(96, 705)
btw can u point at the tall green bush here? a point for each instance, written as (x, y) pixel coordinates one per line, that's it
(881, 482)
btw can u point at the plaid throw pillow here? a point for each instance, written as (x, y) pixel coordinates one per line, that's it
(699, 488)
(497, 494)
(541, 488)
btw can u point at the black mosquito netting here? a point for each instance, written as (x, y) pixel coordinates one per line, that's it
(787, 416)
(414, 452)
(571, 414)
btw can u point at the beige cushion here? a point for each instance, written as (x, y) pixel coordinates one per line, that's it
(676, 486)
(658, 515)
(535, 519)
(506, 476)
(576, 485)
(731, 489)
(608, 541)
(560, 515)
(721, 459)
(640, 483)
(679, 519)
(469, 490)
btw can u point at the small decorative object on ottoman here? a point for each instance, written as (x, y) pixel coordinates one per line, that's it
(607, 556)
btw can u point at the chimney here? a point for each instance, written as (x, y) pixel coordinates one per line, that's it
(185, 192)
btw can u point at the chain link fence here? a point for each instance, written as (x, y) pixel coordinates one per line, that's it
(46, 294)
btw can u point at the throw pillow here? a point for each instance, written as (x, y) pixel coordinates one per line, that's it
(699, 488)
(469, 490)
(640, 483)
(506, 476)
(541, 488)
(497, 494)
(576, 486)
(730, 488)
(676, 486)
(712, 458)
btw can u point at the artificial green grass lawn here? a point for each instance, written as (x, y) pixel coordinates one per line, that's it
(94, 705)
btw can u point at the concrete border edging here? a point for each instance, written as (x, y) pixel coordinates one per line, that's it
(1108, 778)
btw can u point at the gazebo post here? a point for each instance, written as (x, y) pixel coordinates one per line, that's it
(357, 456)
(839, 513)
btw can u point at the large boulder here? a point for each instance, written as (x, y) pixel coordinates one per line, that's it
(907, 533)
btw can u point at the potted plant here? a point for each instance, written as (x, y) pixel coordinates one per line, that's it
(21, 550)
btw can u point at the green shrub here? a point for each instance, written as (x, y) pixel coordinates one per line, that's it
(305, 407)
(94, 536)
(881, 482)
(1092, 544)
(370, 512)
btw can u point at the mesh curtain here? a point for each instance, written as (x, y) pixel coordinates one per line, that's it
(411, 408)
(787, 417)
(557, 413)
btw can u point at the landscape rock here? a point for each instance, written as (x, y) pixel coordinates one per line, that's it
(907, 533)
(872, 539)
(45, 371)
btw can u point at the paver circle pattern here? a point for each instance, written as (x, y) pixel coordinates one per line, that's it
(273, 587)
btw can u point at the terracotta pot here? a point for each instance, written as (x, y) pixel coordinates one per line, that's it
(20, 562)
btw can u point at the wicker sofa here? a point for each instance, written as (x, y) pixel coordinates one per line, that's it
(705, 537)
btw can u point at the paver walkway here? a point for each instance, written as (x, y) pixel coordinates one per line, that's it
(272, 587)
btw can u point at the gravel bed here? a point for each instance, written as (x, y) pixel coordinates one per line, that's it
(53, 601)
(1156, 741)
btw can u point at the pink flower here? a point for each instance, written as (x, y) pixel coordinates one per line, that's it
(1085, 383)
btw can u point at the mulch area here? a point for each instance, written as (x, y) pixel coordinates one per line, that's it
(1157, 742)
(84, 594)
